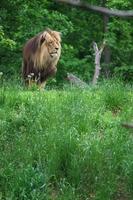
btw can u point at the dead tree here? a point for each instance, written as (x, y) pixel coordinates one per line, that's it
(97, 53)
(76, 81)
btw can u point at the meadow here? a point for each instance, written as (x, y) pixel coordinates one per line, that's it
(66, 144)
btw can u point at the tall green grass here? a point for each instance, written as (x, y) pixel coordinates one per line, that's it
(66, 144)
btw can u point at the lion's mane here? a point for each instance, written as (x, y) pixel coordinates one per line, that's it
(41, 55)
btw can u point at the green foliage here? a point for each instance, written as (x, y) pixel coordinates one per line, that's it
(66, 144)
(119, 39)
(115, 97)
(6, 42)
(20, 20)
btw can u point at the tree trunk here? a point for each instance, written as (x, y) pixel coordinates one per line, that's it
(107, 60)
(107, 51)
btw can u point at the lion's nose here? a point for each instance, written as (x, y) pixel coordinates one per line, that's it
(56, 48)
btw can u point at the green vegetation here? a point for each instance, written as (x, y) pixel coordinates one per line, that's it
(66, 144)
(22, 19)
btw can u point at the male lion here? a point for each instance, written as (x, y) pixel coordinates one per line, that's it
(40, 57)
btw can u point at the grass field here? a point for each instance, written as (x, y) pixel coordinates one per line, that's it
(66, 144)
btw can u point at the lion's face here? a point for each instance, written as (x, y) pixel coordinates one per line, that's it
(51, 40)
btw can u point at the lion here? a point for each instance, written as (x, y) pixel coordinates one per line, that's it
(40, 57)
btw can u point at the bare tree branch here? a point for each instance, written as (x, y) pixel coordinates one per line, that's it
(98, 53)
(127, 125)
(102, 10)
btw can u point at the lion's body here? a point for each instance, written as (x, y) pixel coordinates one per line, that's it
(41, 55)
